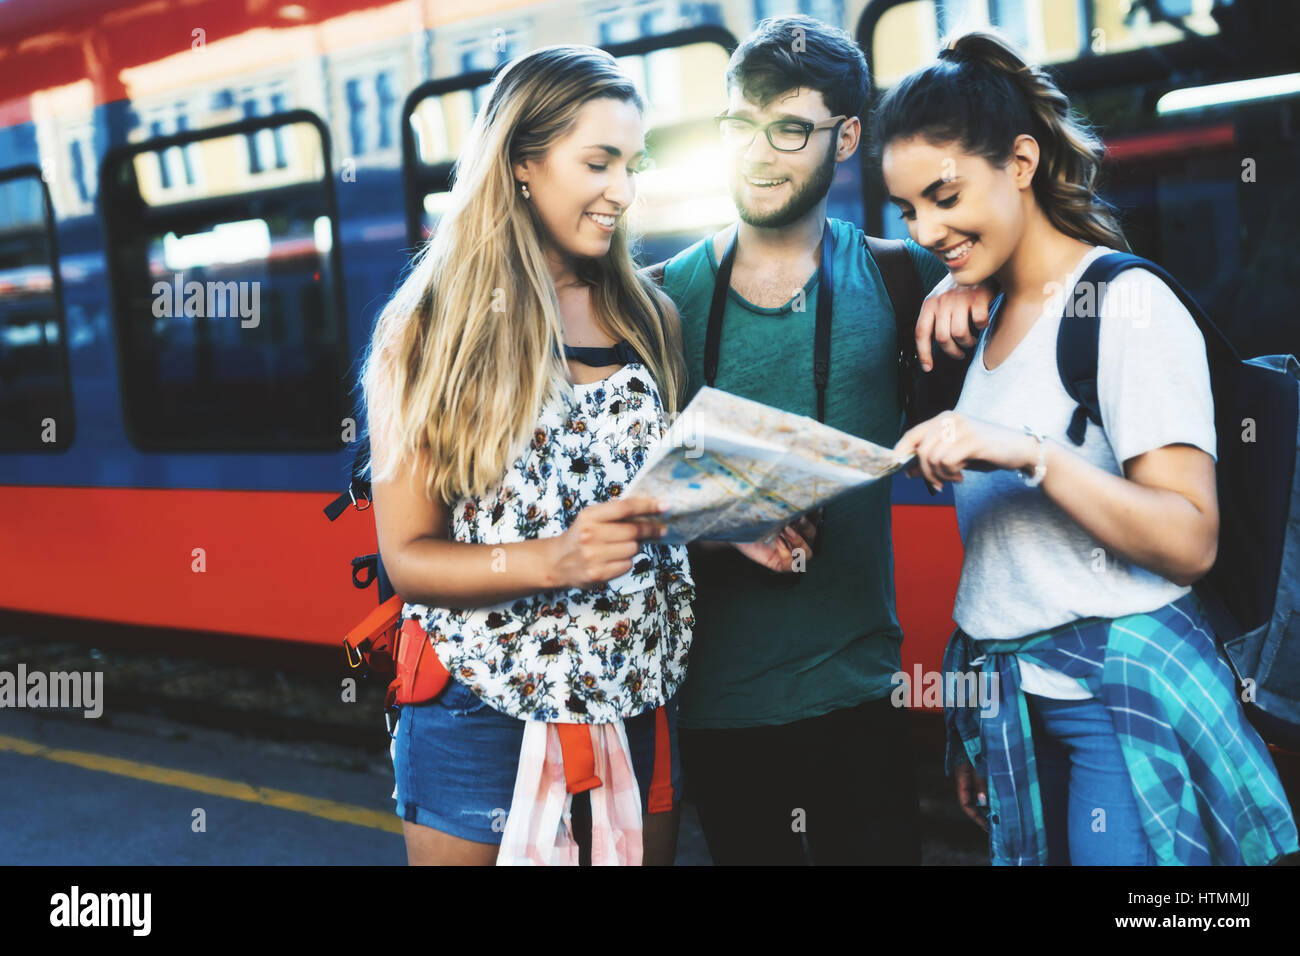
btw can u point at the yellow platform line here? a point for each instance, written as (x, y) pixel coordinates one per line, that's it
(202, 783)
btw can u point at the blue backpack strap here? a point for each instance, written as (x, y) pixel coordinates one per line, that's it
(1078, 341)
(1254, 479)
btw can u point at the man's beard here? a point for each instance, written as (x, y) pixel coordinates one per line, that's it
(805, 199)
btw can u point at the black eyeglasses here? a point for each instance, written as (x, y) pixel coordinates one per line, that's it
(785, 135)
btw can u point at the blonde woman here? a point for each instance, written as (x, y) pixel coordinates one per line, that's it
(513, 385)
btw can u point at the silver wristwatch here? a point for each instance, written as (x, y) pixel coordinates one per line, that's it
(1040, 469)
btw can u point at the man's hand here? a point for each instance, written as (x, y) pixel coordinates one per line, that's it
(972, 795)
(778, 552)
(953, 315)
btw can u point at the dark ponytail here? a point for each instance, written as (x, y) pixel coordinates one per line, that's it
(981, 94)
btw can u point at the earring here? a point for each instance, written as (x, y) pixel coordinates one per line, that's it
(523, 189)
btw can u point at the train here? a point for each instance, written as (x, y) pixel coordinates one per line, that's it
(203, 206)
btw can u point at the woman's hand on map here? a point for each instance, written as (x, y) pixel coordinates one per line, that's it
(788, 550)
(604, 540)
(948, 444)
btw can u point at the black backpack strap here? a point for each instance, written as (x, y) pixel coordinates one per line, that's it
(621, 354)
(385, 586)
(822, 330)
(922, 395)
(358, 485)
(373, 566)
(1079, 338)
(1077, 347)
(903, 286)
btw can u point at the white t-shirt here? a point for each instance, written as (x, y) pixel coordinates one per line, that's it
(1028, 566)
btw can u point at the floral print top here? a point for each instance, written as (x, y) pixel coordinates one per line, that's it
(594, 655)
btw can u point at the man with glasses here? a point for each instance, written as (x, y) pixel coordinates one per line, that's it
(786, 725)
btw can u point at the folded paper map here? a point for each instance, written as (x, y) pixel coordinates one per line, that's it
(732, 469)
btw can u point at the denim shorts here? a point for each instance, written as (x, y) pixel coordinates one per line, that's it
(455, 759)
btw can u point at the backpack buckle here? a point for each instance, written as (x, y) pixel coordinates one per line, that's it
(368, 563)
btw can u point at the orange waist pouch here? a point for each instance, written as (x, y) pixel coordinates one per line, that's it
(404, 652)
(420, 675)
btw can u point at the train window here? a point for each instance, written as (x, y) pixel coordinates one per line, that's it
(1200, 192)
(227, 286)
(435, 125)
(441, 123)
(35, 399)
(907, 34)
(682, 196)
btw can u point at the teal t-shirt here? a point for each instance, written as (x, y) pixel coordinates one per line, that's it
(762, 655)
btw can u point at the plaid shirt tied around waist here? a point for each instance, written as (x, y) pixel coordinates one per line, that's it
(1207, 790)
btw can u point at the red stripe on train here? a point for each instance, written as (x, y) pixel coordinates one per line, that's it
(274, 566)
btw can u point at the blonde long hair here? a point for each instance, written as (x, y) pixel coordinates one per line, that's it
(982, 94)
(468, 349)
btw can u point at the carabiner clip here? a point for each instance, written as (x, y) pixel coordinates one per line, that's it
(353, 650)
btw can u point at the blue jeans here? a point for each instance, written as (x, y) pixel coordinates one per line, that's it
(1089, 809)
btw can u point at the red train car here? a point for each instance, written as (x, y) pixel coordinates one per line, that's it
(167, 466)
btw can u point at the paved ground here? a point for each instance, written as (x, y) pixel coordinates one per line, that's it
(199, 761)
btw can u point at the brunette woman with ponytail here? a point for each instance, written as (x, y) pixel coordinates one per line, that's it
(1115, 735)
